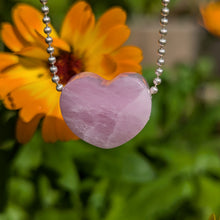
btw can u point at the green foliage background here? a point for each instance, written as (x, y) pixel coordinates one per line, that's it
(170, 171)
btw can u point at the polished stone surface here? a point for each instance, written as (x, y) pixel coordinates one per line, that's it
(105, 113)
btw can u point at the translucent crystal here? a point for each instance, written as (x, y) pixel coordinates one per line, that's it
(106, 113)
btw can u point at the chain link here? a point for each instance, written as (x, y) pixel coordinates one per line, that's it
(161, 51)
(162, 42)
(50, 49)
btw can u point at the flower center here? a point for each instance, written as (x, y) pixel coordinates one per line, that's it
(68, 66)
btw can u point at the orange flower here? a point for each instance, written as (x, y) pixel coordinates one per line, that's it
(83, 45)
(211, 17)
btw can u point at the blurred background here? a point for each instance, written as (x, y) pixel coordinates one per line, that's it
(170, 171)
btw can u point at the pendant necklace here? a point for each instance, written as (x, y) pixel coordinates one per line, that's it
(106, 113)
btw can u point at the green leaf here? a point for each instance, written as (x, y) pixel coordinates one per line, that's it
(29, 157)
(97, 200)
(14, 212)
(152, 200)
(208, 198)
(48, 195)
(21, 192)
(122, 165)
(58, 159)
(56, 214)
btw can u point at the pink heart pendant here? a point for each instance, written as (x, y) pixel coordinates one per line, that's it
(106, 113)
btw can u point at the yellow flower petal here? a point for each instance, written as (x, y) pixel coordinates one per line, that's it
(116, 37)
(78, 21)
(113, 17)
(63, 131)
(7, 60)
(22, 96)
(211, 17)
(25, 131)
(11, 85)
(28, 21)
(54, 129)
(110, 67)
(108, 64)
(12, 38)
(58, 43)
(128, 66)
(34, 52)
(18, 76)
(129, 53)
(49, 129)
(30, 110)
(61, 44)
(110, 42)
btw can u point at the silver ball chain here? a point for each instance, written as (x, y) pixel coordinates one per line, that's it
(50, 49)
(161, 52)
(162, 42)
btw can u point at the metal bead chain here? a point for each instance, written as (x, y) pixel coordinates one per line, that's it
(161, 52)
(162, 42)
(50, 49)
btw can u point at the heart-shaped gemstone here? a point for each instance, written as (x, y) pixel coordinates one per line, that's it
(106, 113)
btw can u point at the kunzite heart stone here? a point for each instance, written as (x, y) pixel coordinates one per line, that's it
(106, 113)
